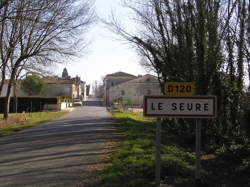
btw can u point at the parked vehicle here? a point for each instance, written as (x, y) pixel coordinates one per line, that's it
(77, 102)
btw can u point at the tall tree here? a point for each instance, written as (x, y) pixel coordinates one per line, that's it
(202, 41)
(33, 85)
(3, 3)
(248, 33)
(42, 32)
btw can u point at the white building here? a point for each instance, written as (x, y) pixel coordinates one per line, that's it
(59, 94)
(132, 89)
(112, 80)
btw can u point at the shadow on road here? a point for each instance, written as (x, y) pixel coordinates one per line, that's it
(93, 103)
(57, 153)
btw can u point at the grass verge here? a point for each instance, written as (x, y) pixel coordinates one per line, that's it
(18, 122)
(133, 162)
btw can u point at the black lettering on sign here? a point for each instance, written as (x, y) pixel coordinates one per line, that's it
(190, 106)
(181, 106)
(160, 106)
(177, 88)
(152, 106)
(174, 107)
(198, 107)
(170, 88)
(188, 88)
(206, 107)
(182, 90)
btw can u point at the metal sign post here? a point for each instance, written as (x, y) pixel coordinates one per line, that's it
(158, 153)
(198, 153)
(179, 107)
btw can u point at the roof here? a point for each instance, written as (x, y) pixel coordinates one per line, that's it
(137, 80)
(53, 80)
(56, 80)
(143, 77)
(120, 74)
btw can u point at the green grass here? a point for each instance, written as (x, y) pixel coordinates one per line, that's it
(133, 162)
(33, 119)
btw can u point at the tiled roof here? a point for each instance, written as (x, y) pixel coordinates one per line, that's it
(120, 74)
(54, 80)
(143, 77)
(51, 81)
(138, 80)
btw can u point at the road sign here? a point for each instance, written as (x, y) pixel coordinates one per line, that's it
(180, 106)
(180, 88)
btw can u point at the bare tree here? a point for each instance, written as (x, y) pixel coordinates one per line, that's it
(41, 32)
(98, 89)
(3, 3)
(202, 41)
(248, 33)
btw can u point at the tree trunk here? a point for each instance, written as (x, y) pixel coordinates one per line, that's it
(8, 94)
(6, 107)
(7, 101)
(201, 48)
(15, 104)
(2, 79)
(240, 64)
(3, 3)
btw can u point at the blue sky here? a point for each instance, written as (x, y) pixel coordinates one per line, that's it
(105, 54)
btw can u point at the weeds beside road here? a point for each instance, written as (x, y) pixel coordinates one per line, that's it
(133, 163)
(65, 152)
(17, 122)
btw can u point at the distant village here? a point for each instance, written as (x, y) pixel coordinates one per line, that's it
(128, 89)
(118, 87)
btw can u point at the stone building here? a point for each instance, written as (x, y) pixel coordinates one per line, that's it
(133, 88)
(112, 80)
(59, 94)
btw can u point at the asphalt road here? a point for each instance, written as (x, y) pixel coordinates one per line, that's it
(58, 153)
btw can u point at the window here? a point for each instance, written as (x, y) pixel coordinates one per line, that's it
(148, 79)
(148, 92)
(122, 92)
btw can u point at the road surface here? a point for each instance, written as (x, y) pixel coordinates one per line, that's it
(58, 153)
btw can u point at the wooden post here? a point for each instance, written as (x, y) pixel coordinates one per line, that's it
(158, 153)
(198, 154)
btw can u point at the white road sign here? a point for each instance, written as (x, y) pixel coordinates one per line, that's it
(180, 106)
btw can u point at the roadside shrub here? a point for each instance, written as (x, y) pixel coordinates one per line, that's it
(173, 166)
(178, 152)
(13, 120)
(127, 102)
(245, 122)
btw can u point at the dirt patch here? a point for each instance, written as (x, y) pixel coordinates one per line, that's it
(13, 120)
(91, 178)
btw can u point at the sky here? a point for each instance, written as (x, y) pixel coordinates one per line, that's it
(105, 54)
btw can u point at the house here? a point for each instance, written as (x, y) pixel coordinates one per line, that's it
(131, 88)
(113, 80)
(59, 94)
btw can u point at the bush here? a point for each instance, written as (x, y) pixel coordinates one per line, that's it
(246, 121)
(33, 85)
(127, 102)
(176, 162)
